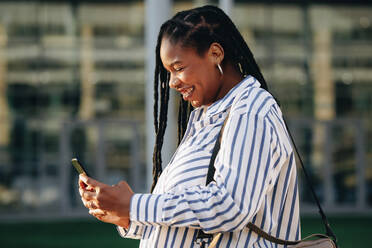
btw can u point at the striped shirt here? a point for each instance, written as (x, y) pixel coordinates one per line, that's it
(255, 179)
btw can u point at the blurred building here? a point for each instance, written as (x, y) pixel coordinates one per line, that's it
(72, 83)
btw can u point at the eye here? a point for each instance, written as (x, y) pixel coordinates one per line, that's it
(178, 69)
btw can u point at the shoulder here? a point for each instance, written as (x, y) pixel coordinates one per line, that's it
(253, 100)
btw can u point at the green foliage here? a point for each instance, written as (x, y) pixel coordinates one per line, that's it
(351, 231)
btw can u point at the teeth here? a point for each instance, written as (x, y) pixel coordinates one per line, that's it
(187, 93)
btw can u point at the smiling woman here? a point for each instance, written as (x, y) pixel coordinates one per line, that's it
(197, 76)
(202, 55)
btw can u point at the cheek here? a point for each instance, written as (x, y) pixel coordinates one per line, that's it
(202, 77)
(189, 76)
(184, 77)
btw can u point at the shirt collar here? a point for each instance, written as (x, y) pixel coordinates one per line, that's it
(225, 102)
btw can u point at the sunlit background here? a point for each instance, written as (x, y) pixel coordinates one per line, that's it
(75, 79)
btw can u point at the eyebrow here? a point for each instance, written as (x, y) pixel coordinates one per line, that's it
(175, 62)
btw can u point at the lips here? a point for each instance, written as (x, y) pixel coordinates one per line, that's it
(187, 92)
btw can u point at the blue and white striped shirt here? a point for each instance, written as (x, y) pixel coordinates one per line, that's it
(255, 178)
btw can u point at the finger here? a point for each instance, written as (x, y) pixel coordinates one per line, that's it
(97, 212)
(87, 195)
(82, 184)
(90, 181)
(86, 187)
(92, 205)
(82, 191)
(100, 216)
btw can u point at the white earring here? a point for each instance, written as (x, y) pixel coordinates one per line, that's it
(220, 69)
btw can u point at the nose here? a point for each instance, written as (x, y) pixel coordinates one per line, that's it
(174, 82)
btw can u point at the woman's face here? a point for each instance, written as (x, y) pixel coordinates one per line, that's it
(195, 77)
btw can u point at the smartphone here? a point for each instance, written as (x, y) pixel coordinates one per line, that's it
(79, 168)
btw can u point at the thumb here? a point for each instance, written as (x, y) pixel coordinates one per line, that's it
(90, 181)
(125, 185)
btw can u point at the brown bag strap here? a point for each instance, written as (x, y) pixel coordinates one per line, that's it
(269, 237)
(328, 228)
(273, 239)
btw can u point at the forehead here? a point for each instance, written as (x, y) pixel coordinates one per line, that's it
(171, 52)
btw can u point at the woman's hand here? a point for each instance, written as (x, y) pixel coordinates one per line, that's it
(107, 203)
(108, 217)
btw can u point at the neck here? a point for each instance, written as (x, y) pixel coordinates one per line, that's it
(230, 78)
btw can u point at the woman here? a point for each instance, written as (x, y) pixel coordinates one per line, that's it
(202, 55)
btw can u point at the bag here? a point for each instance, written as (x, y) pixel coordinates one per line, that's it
(320, 241)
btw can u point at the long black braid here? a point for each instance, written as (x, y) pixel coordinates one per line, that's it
(197, 28)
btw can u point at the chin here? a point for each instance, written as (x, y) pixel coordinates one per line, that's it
(195, 104)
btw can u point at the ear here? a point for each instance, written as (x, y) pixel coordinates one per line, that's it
(216, 53)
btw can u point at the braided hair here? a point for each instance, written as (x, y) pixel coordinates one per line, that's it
(197, 28)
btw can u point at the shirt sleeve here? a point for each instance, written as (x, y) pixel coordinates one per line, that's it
(133, 232)
(252, 152)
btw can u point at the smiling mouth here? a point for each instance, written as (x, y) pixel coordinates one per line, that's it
(186, 93)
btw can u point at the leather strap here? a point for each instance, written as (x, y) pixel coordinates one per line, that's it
(216, 148)
(273, 239)
(328, 229)
(268, 237)
(211, 170)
